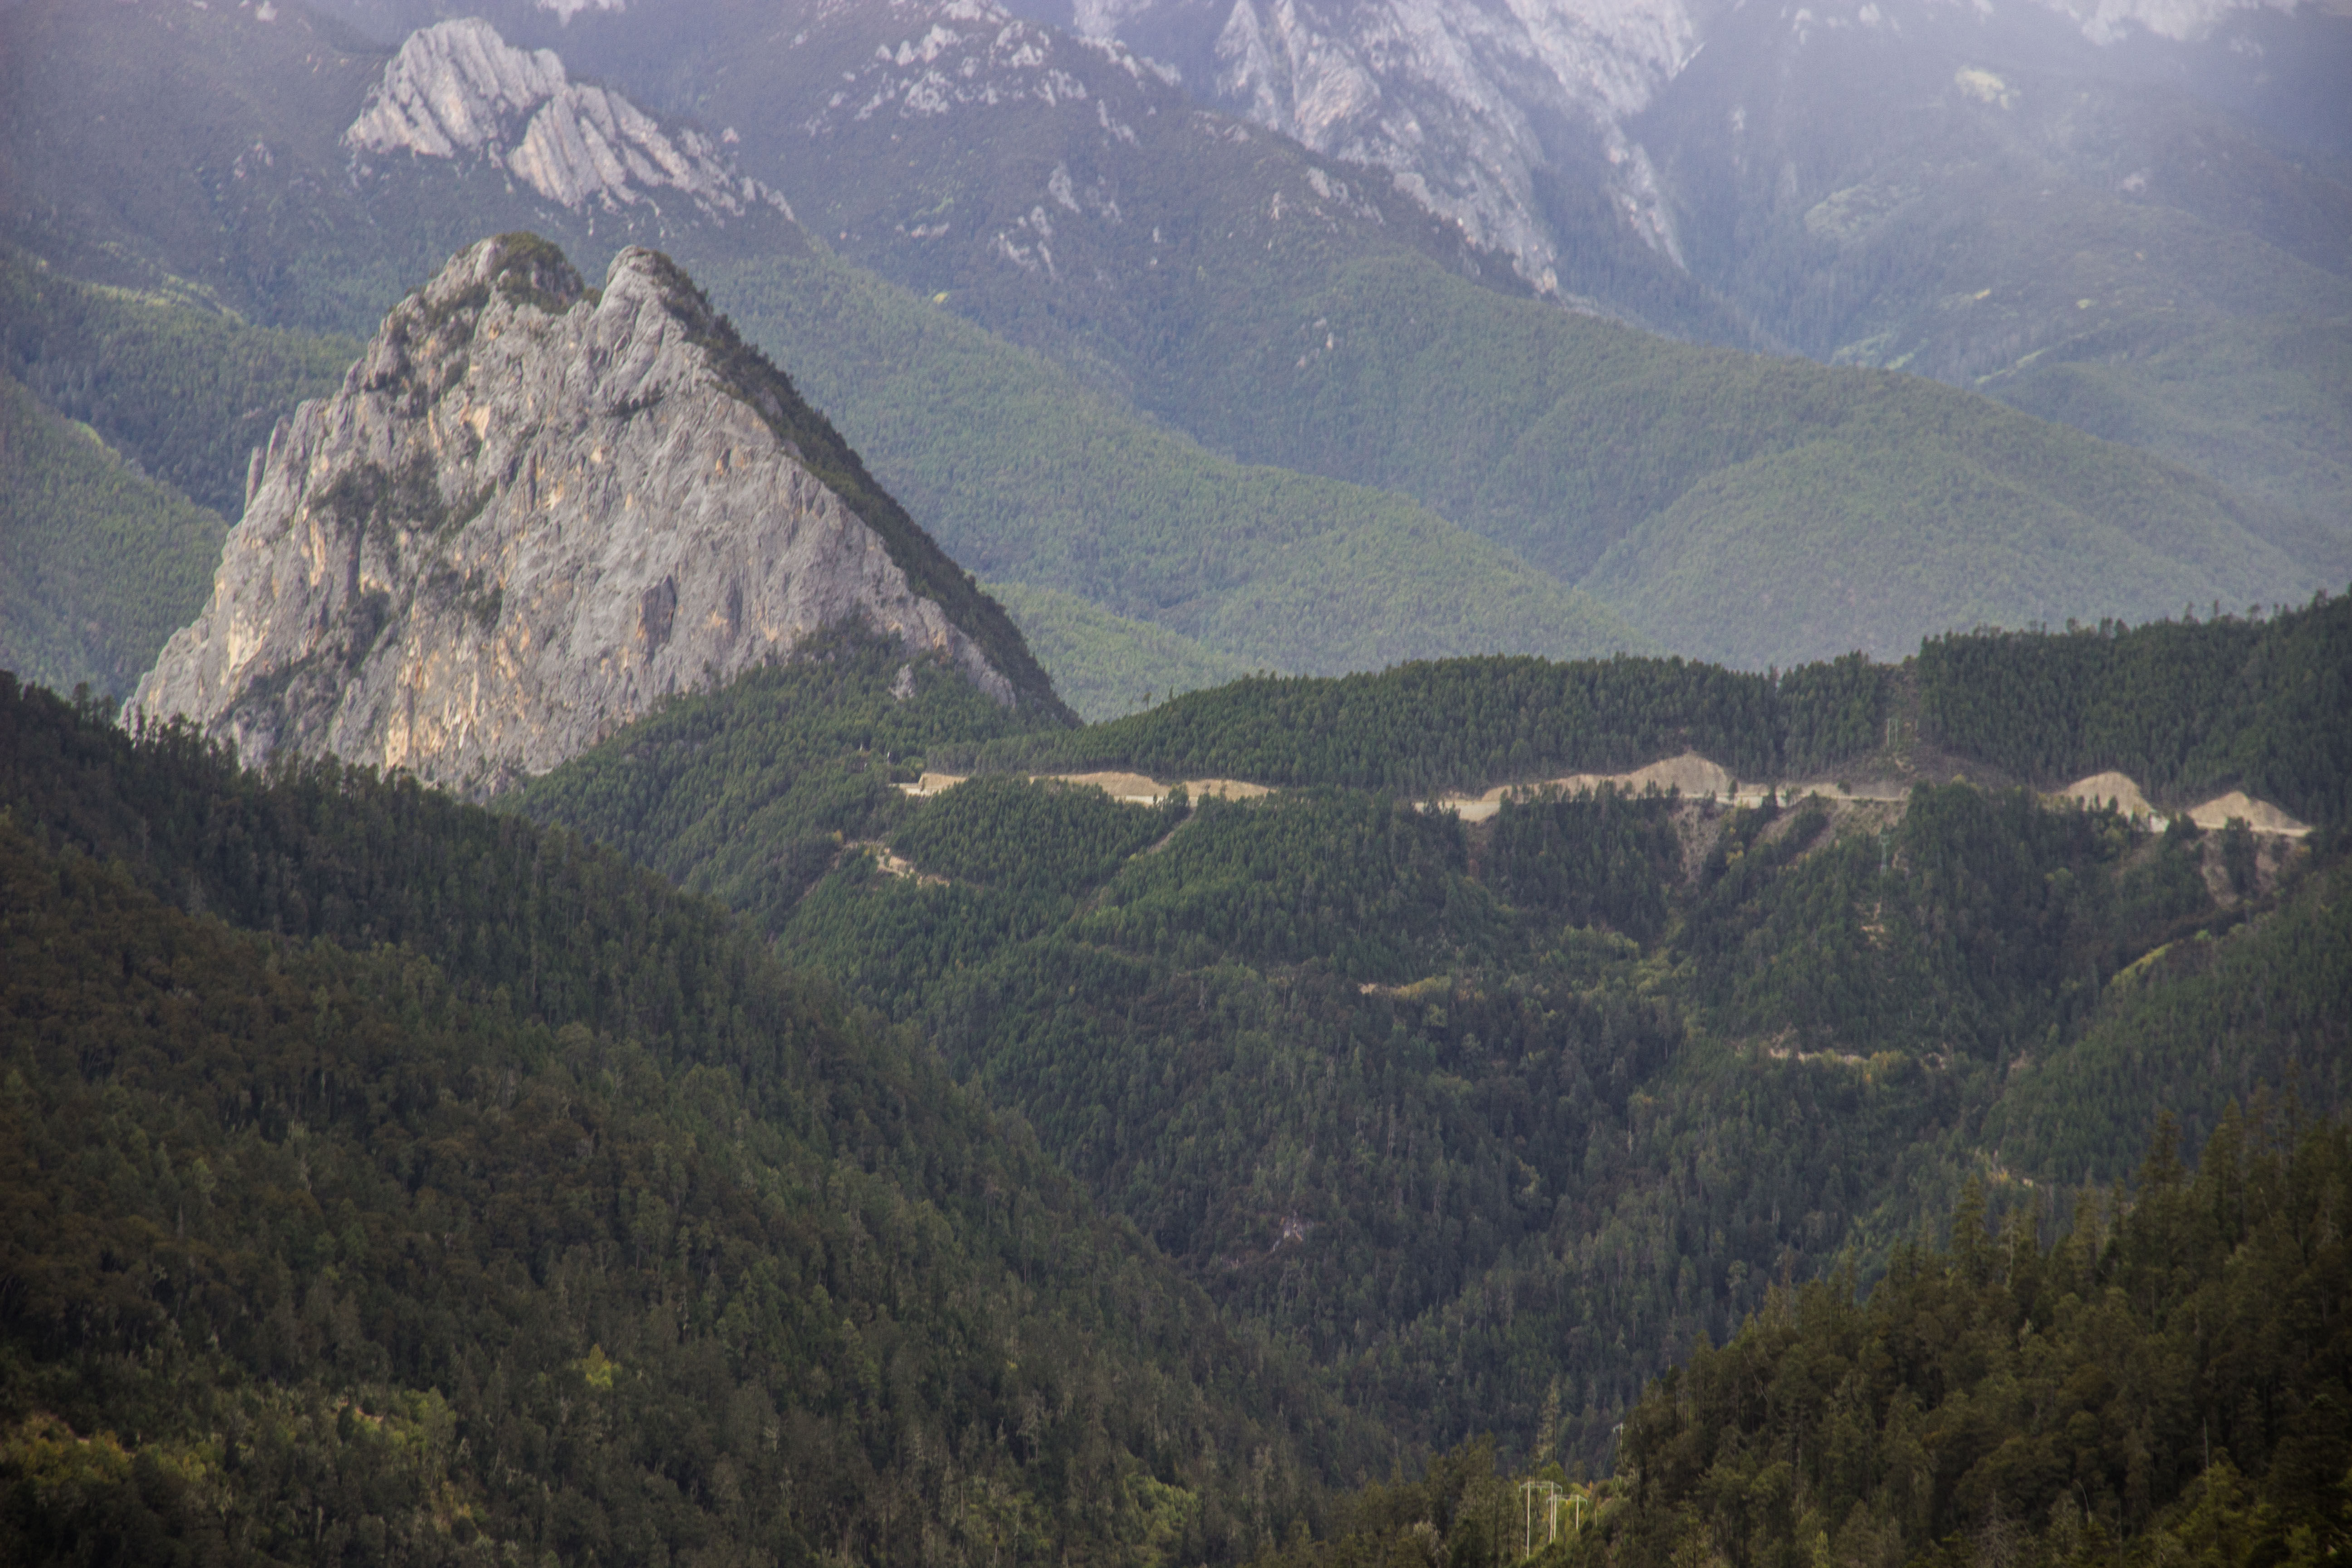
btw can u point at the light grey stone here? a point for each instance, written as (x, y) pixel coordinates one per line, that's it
(457, 89)
(529, 515)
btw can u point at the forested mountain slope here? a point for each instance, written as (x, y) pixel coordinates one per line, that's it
(1106, 665)
(99, 565)
(1491, 1118)
(124, 408)
(2186, 709)
(2132, 219)
(387, 1178)
(1029, 477)
(187, 389)
(2166, 1378)
(2159, 1382)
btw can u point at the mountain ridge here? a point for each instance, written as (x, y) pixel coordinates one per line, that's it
(531, 513)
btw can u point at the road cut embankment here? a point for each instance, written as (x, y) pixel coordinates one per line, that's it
(1133, 789)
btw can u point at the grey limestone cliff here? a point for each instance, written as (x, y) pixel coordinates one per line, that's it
(531, 512)
(457, 89)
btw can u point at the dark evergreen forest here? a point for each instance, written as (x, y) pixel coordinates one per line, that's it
(2163, 1380)
(389, 1182)
(1015, 1173)
(1493, 1118)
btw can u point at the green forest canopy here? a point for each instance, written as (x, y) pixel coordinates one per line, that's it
(460, 1185)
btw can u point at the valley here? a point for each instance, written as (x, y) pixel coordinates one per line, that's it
(1433, 973)
(1464, 1122)
(1174, 785)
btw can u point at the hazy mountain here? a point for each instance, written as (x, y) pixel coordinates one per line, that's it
(2111, 217)
(1019, 465)
(1477, 108)
(1284, 309)
(278, 162)
(1291, 313)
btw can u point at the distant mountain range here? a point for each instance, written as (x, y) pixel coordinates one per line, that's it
(1866, 210)
(1510, 474)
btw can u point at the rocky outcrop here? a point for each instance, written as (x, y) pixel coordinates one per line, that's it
(531, 513)
(1471, 103)
(457, 89)
(1468, 104)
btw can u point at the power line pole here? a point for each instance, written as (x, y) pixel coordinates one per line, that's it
(1551, 1495)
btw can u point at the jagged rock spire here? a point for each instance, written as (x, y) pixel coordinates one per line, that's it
(530, 514)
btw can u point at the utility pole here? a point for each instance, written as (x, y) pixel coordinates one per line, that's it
(1551, 1496)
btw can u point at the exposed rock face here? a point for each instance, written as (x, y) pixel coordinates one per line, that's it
(1468, 101)
(1465, 101)
(457, 89)
(531, 513)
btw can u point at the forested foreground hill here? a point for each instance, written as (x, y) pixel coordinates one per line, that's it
(2165, 1382)
(1491, 1119)
(386, 1178)
(384, 1181)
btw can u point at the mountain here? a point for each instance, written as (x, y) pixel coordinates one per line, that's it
(1488, 1100)
(298, 174)
(1746, 509)
(1019, 467)
(1488, 116)
(2017, 198)
(1486, 112)
(1999, 203)
(1029, 474)
(531, 514)
(1282, 308)
(457, 92)
(451, 1190)
(931, 1131)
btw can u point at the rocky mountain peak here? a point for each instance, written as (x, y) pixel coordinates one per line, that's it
(457, 89)
(531, 512)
